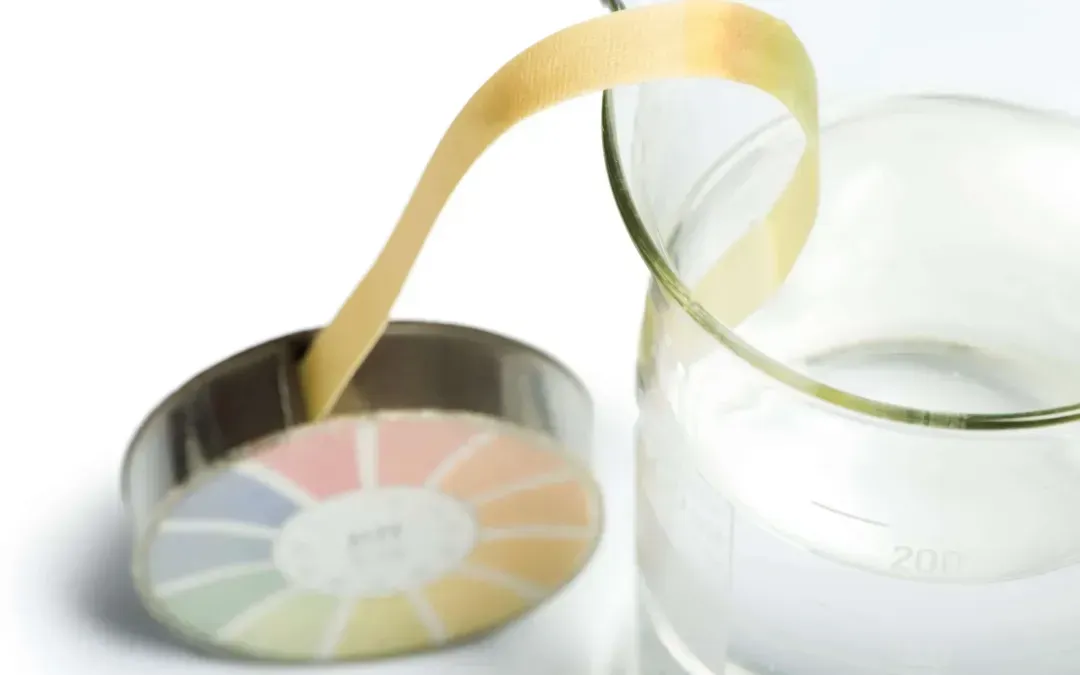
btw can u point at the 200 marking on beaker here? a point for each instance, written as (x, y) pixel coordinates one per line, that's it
(926, 561)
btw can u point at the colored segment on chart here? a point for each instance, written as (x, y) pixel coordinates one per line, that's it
(502, 461)
(372, 536)
(179, 555)
(238, 498)
(384, 626)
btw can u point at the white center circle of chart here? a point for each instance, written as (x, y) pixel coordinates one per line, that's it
(375, 542)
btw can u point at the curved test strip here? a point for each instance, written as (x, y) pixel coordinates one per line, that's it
(695, 38)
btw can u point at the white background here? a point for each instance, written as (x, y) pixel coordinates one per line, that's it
(179, 180)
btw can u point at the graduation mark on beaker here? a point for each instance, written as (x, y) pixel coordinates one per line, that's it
(925, 561)
(838, 512)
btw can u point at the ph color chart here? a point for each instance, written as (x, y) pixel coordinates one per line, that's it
(371, 536)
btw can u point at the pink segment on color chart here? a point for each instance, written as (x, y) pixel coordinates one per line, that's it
(411, 450)
(321, 460)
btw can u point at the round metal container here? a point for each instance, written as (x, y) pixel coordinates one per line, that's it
(448, 495)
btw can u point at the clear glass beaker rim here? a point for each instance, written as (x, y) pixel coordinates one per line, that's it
(668, 279)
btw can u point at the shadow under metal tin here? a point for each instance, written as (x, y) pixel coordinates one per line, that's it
(449, 494)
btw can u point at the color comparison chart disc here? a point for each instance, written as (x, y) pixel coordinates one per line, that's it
(370, 536)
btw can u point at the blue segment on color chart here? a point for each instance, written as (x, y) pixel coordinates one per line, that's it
(238, 498)
(175, 555)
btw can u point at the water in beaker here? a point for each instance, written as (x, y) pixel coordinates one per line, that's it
(877, 473)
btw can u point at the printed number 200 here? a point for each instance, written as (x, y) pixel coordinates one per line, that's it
(925, 561)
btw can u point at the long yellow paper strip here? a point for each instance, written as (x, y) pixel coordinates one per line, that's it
(689, 39)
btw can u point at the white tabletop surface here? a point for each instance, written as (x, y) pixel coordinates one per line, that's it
(183, 179)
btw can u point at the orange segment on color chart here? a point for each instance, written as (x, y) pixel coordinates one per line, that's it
(371, 536)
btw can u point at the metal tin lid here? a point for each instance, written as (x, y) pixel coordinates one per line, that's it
(449, 495)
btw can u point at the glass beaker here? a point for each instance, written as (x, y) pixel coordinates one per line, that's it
(878, 472)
